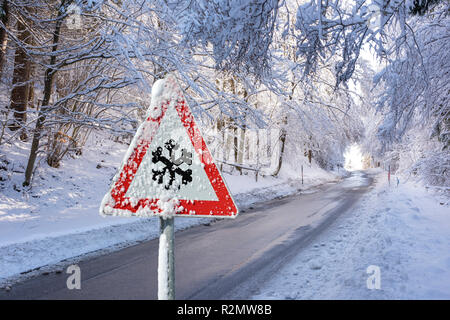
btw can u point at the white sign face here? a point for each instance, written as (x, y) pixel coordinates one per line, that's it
(168, 170)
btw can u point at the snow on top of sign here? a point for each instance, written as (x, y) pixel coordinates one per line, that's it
(159, 95)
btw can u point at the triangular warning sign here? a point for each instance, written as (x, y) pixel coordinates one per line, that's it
(168, 169)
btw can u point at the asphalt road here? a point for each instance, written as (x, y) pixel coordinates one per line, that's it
(227, 259)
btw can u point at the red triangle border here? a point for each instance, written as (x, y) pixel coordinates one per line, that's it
(223, 207)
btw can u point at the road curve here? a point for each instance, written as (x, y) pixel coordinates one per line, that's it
(227, 259)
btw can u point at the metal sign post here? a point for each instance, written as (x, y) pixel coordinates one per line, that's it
(166, 259)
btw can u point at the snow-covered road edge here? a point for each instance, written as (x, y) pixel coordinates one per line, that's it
(51, 254)
(404, 232)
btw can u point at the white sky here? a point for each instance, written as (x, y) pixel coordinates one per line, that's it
(353, 158)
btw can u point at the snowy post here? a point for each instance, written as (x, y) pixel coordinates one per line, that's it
(389, 175)
(166, 260)
(302, 174)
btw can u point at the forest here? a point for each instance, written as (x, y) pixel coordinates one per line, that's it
(273, 83)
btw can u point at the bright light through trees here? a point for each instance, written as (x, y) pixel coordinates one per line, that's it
(353, 158)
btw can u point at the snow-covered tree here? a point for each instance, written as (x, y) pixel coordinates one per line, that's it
(415, 100)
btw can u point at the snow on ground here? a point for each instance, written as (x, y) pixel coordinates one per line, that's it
(58, 218)
(404, 230)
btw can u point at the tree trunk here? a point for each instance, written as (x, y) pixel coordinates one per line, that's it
(241, 150)
(221, 148)
(257, 153)
(242, 136)
(4, 15)
(235, 144)
(240, 145)
(284, 131)
(235, 136)
(48, 83)
(21, 76)
(283, 143)
(31, 93)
